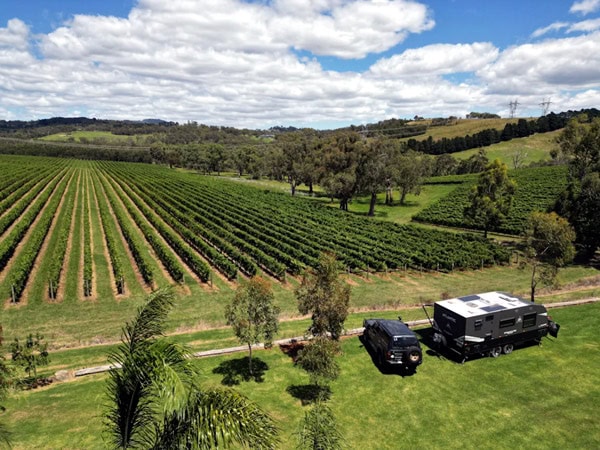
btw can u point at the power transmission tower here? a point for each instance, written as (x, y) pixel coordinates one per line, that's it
(364, 132)
(545, 106)
(513, 108)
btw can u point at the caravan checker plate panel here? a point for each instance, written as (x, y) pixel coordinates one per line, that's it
(477, 305)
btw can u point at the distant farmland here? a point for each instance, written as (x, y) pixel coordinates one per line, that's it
(147, 225)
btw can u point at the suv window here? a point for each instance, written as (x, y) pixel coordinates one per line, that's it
(404, 341)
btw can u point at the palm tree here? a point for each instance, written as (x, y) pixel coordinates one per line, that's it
(155, 403)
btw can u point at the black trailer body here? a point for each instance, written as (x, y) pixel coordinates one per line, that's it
(492, 323)
(393, 342)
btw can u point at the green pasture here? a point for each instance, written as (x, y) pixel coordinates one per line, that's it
(538, 397)
(461, 127)
(87, 136)
(535, 148)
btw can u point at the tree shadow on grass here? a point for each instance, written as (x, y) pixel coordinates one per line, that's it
(309, 393)
(235, 371)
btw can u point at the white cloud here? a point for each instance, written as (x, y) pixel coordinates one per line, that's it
(15, 36)
(585, 26)
(585, 6)
(569, 63)
(236, 63)
(437, 59)
(556, 26)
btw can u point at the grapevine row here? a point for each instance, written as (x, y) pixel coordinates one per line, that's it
(111, 239)
(186, 253)
(63, 229)
(9, 243)
(287, 251)
(353, 251)
(131, 236)
(162, 251)
(307, 243)
(21, 205)
(220, 234)
(26, 258)
(536, 190)
(87, 240)
(358, 242)
(175, 220)
(266, 256)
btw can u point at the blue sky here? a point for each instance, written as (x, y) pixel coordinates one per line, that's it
(314, 63)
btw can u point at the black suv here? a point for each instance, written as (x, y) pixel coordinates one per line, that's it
(392, 342)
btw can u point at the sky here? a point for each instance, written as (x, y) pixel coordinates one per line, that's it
(304, 63)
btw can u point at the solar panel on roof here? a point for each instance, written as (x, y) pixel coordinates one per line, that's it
(493, 308)
(469, 298)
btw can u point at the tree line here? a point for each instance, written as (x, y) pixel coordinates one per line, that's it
(579, 147)
(345, 163)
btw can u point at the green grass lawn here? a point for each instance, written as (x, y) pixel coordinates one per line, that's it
(396, 212)
(360, 205)
(84, 322)
(537, 397)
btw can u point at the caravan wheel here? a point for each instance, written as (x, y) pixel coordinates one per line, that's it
(495, 352)
(507, 349)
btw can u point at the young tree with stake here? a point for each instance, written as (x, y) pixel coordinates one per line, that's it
(548, 246)
(324, 295)
(253, 315)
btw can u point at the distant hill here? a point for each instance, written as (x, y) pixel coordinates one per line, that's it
(154, 121)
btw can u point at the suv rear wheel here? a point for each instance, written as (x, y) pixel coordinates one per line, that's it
(414, 355)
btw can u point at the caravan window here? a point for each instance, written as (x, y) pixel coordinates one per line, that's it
(478, 324)
(529, 320)
(505, 323)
